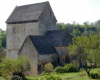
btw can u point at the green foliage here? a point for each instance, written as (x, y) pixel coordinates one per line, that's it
(81, 75)
(66, 68)
(95, 75)
(48, 67)
(86, 49)
(50, 77)
(44, 73)
(60, 69)
(76, 32)
(11, 66)
(70, 68)
(2, 39)
(2, 44)
(87, 28)
(2, 54)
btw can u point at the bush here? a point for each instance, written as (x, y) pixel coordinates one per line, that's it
(50, 77)
(11, 66)
(70, 68)
(60, 69)
(48, 67)
(66, 68)
(95, 75)
(44, 73)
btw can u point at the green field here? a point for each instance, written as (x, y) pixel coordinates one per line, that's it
(82, 75)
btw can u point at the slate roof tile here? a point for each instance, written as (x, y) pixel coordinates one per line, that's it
(26, 13)
(45, 44)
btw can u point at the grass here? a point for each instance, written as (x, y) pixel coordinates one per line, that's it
(82, 75)
(1, 78)
(95, 70)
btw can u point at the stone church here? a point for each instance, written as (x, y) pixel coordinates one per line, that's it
(31, 31)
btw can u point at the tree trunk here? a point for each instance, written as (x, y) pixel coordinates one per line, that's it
(87, 70)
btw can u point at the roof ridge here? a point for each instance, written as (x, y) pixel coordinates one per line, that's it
(43, 9)
(31, 13)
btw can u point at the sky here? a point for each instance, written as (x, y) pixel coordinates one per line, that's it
(66, 11)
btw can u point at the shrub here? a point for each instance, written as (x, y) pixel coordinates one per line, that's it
(60, 69)
(50, 77)
(48, 67)
(44, 73)
(95, 75)
(11, 66)
(70, 68)
(66, 68)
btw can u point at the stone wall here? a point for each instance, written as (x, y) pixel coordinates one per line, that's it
(62, 50)
(29, 50)
(47, 20)
(46, 58)
(62, 53)
(17, 33)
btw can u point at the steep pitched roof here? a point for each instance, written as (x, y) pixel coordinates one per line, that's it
(42, 45)
(59, 37)
(27, 13)
(45, 44)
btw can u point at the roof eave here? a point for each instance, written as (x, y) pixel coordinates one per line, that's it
(22, 22)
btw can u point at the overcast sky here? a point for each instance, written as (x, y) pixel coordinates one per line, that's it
(65, 11)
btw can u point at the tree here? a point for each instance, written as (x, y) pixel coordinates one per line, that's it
(86, 49)
(2, 54)
(95, 48)
(76, 32)
(2, 39)
(76, 29)
(2, 44)
(48, 67)
(59, 27)
(97, 23)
